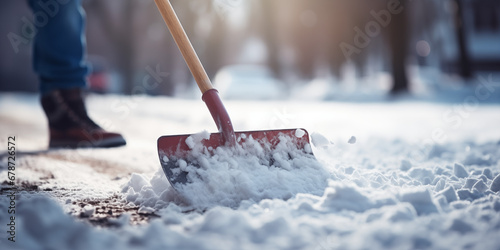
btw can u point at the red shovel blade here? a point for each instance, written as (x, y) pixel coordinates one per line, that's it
(173, 149)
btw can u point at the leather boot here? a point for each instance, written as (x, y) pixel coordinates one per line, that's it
(69, 124)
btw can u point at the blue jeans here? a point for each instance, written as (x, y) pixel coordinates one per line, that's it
(59, 46)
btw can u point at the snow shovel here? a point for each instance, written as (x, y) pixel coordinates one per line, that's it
(175, 149)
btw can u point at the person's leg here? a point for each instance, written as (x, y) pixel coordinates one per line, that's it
(59, 61)
(59, 45)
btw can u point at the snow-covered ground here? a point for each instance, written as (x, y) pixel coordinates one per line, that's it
(416, 174)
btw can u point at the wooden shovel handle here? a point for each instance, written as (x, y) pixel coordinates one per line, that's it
(185, 46)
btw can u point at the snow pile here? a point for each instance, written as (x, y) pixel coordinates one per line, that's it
(227, 176)
(389, 204)
(338, 197)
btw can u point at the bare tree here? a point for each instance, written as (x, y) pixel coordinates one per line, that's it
(398, 42)
(464, 58)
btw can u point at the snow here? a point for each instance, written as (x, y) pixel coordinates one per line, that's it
(480, 186)
(460, 171)
(420, 199)
(299, 133)
(88, 210)
(395, 188)
(495, 185)
(319, 141)
(234, 175)
(450, 194)
(352, 140)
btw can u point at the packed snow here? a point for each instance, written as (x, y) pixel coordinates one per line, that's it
(226, 176)
(386, 175)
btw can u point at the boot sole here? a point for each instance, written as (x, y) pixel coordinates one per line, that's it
(105, 143)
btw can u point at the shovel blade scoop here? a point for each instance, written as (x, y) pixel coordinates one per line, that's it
(175, 152)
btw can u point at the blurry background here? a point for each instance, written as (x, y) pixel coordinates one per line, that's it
(276, 48)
